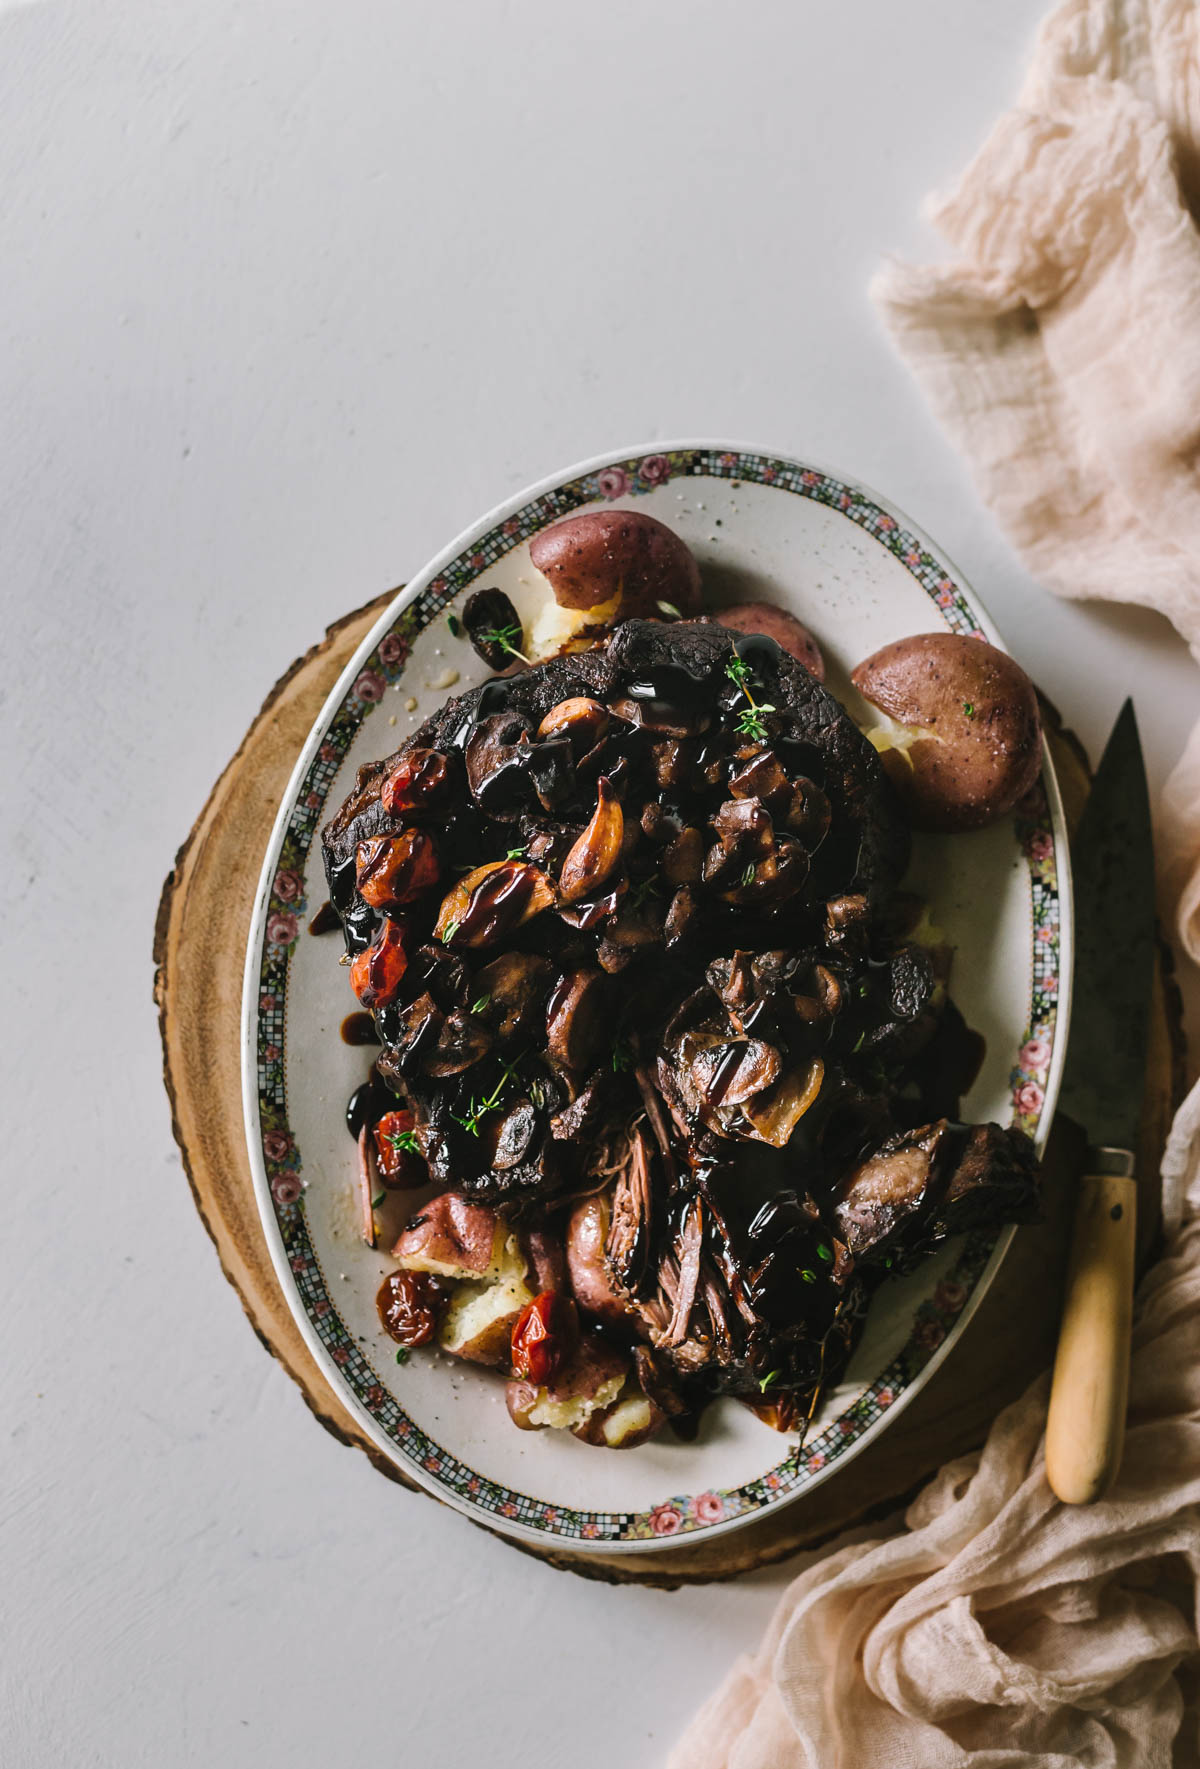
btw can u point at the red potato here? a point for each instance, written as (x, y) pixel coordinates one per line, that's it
(479, 1319)
(605, 554)
(587, 1232)
(788, 633)
(545, 1262)
(971, 745)
(590, 1383)
(452, 1237)
(628, 1422)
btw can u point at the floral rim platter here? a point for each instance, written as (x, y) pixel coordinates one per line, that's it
(859, 574)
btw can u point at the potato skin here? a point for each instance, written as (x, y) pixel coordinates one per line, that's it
(790, 634)
(628, 1423)
(454, 1237)
(977, 710)
(587, 1231)
(589, 1383)
(592, 557)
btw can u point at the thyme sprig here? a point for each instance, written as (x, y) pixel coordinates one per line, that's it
(479, 1108)
(751, 719)
(504, 637)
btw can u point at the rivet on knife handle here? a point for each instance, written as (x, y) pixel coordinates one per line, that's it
(1085, 1430)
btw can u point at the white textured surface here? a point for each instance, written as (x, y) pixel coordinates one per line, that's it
(291, 292)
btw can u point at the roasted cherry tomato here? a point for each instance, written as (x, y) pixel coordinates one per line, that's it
(397, 1151)
(377, 973)
(416, 783)
(391, 870)
(541, 1339)
(407, 1307)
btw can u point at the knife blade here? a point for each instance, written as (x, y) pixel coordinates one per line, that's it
(1112, 861)
(1113, 865)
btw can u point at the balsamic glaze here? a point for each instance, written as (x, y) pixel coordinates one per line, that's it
(325, 920)
(359, 1028)
(758, 652)
(367, 1104)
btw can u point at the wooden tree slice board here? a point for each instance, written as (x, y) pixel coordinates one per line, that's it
(199, 949)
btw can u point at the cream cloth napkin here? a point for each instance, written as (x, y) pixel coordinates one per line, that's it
(1000, 1627)
(1060, 347)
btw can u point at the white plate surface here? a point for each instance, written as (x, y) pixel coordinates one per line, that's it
(859, 574)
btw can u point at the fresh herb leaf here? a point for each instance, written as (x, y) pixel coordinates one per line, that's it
(770, 1377)
(824, 1252)
(809, 1276)
(505, 637)
(376, 1202)
(480, 1108)
(404, 1142)
(515, 854)
(969, 708)
(448, 932)
(750, 719)
(478, 1006)
(402, 1354)
(455, 625)
(669, 609)
(748, 876)
(622, 1055)
(649, 887)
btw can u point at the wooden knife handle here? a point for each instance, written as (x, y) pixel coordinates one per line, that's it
(1085, 1430)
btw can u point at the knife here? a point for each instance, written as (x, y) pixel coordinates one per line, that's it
(1112, 862)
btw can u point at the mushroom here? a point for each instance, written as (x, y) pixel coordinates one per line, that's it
(550, 766)
(846, 921)
(774, 1114)
(494, 628)
(581, 720)
(727, 1074)
(808, 813)
(619, 556)
(575, 1027)
(461, 1041)
(509, 991)
(683, 859)
(511, 1136)
(969, 746)
(497, 758)
(684, 917)
(596, 853)
(885, 1193)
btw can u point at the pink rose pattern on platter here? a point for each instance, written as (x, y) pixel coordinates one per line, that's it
(936, 1318)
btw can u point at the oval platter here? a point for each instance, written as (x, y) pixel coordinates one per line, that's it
(859, 573)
